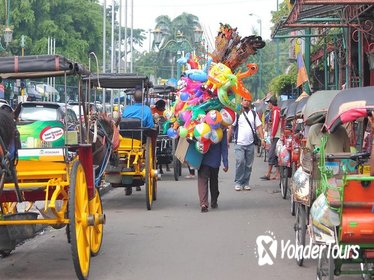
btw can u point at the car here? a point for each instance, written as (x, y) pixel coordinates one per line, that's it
(29, 112)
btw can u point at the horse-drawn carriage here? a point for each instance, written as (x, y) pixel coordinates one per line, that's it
(133, 163)
(50, 176)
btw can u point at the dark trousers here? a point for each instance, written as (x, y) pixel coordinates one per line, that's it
(205, 174)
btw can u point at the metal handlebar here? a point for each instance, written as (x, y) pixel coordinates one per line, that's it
(356, 156)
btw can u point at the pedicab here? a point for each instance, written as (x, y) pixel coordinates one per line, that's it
(53, 176)
(349, 194)
(261, 110)
(298, 143)
(287, 108)
(133, 163)
(306, 178)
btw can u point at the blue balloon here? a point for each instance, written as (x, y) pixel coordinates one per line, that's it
(172, 133)
(184, 96)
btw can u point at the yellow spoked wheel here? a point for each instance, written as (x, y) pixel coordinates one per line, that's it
(96, 210)
(80, 234)
(149, 179)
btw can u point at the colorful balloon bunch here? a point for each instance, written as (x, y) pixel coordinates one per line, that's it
(208, 98)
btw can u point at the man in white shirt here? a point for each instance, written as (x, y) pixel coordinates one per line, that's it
(244, 147)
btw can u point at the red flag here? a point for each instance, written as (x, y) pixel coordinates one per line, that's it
(302, 76)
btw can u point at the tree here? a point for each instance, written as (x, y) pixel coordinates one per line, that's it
(184, 24)
(75, 24)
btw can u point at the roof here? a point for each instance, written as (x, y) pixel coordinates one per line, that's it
(38, 66)
(118, 80)
(324, 14)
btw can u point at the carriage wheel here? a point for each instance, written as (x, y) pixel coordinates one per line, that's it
(300, 231)
(283, 181)
(325, 266)
(78, 226)
(96, 209)
(154, 188)
(177, 168)
(149, 179)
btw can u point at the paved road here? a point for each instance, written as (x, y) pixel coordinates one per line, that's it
(174, 240)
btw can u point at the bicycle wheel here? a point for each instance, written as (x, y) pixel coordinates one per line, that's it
(300, 231)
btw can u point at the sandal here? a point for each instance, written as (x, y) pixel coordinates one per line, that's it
(204, 209)
(265, 177)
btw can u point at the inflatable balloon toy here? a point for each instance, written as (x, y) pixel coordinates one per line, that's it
(172, 133)
(228, 117)
(192, 62)
(239, 88)
(197, 113)
(218, 76)
(202, 132)
(232, 102)
(210, 104)
(213, 119)
(183, 132)
(184, 96)
(183, 61)
(202, 147)
(216, 135)
(198, 74)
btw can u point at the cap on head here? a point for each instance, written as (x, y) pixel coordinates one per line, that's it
(273, 101)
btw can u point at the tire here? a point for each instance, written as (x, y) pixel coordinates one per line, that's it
(325, 267)
(78, 227)
(293, 205)
(283, 181)
(96, 209)
(149, 178)
(5, 253)
(300, 230)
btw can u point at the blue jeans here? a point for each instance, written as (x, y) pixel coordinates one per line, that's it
(244, 156)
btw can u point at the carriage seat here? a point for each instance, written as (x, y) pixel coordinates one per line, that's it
(130, 128)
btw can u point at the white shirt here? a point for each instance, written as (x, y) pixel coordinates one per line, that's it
(245, 135)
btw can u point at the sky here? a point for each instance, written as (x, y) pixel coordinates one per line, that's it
(210, 14)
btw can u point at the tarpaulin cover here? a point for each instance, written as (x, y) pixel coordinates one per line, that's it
(349, 105)
(317, 105)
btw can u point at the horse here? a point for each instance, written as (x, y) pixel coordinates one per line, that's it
(104, 136)
(9, 144)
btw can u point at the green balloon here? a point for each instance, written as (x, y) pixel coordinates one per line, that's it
(183, 131)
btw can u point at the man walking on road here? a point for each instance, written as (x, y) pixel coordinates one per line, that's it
(244, 127)
(274, 137)
(208, 172)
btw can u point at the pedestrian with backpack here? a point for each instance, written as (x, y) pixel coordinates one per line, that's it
(244, 128)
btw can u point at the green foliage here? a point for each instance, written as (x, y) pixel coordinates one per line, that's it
(283, 11)
(76, 25)
(171, 44)
(284, 83)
